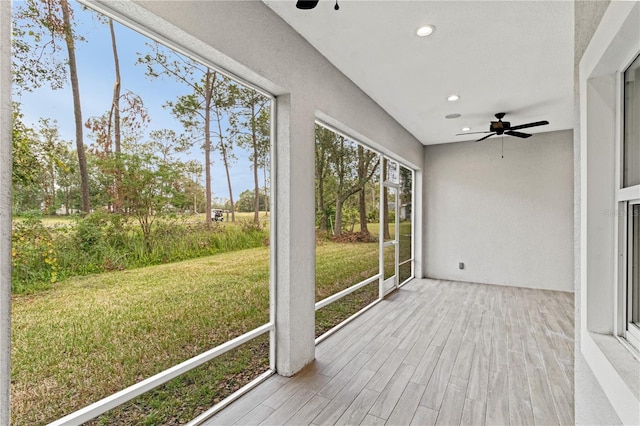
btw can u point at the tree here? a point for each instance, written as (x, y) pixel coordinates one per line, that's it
(25, 163)
(152, 178)
(250, 123)
(223, 102)
(114, 120)
(77, 108)
(194, 168)
(50, 150)
(68, 180)
(324, 140)
(132, 121)
(367, 164)
(146, 189)
(194, 109)
(385, 201)
(351, 171)
(35, 55)
(406, 187)
(40, 160)
(246, 201)
(45, 22)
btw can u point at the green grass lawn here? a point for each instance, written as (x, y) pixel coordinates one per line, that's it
(51, 221)
(91, 336)
(94, 335)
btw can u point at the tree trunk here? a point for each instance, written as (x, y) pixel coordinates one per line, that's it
(67, 200)
(320, 164)
(77, 109)
(49, 181)
(385, 204)
(362, 177)
(115, 107)
(337, 230)
(321, 207)
(266, 192)
(225, 160)
(254, 139)
(362, 207)
(207, 145)
(195, 203)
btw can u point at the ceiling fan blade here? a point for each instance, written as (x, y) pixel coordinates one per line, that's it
(526, 126)
(517, 134)
(471, 133)
(488, 136)
(306, 4)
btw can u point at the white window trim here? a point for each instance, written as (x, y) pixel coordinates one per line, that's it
(614, 45)
(625, 198)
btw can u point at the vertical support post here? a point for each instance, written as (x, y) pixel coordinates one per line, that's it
(6, 118)
(417, 219)
(273, 231)
(381, 212)
(295, 239)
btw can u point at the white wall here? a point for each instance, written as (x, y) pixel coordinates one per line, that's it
(249, 40)
(510, 220)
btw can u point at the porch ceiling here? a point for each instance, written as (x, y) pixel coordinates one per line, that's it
(498, 56)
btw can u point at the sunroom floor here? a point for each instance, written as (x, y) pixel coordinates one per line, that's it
(433, 352)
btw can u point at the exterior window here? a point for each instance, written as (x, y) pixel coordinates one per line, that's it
(633, 277)
(632, 125)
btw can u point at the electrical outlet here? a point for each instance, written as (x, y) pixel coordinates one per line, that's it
(461, 265)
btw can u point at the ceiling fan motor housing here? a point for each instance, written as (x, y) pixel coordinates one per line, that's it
(499, 126)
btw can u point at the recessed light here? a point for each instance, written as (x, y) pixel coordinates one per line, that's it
(466, 129)
(452, 116)
(425, 30)
(453, 98)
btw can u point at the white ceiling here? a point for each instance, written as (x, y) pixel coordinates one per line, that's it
(498, 56)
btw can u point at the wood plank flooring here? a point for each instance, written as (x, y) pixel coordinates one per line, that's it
(433, 353)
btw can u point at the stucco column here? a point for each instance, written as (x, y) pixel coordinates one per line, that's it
(295, 235)
(5, 210)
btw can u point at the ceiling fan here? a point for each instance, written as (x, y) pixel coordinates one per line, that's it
(504, 127)
(310, 4)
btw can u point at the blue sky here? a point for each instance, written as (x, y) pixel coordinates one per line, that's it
(96, 77)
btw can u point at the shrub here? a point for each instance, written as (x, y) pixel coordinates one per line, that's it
(103, 242)
(33, 257)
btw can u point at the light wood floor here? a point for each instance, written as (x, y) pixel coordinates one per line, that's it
(433, 353)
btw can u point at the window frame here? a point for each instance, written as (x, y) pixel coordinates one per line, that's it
(625, 199)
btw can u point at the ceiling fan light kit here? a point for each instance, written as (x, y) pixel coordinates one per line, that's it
(504, 128)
